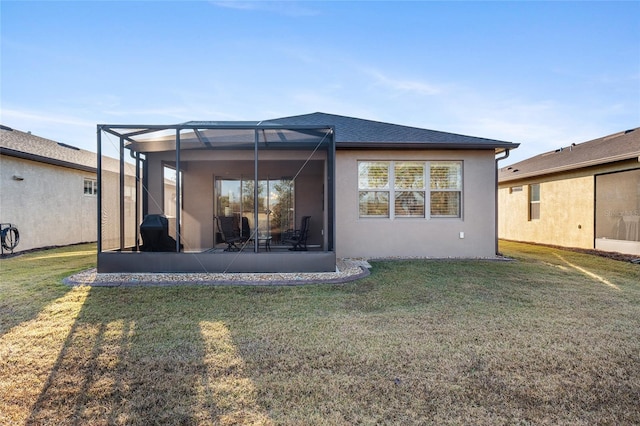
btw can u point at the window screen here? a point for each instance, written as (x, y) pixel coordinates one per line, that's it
(618, 206)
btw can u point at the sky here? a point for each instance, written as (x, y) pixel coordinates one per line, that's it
(544, 74)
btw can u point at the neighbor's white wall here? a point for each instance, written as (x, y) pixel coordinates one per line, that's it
(49, 206)
(409, 237)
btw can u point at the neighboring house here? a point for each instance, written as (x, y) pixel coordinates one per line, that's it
(48, 190)
(586, 195)
(372, 189)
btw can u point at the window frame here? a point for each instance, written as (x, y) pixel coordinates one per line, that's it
(92, 187)
(392, 189)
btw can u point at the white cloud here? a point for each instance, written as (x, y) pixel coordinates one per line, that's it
(39, 117)
(403, 85)
(287, 8)
(68, 128)
(538, 125)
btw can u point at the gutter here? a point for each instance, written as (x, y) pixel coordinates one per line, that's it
(504, 157)
(574, 166)
(426, 145)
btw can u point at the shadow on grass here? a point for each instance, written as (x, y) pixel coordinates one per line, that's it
(32, 281)
(25, 307)
(136, 358)
(452, 342)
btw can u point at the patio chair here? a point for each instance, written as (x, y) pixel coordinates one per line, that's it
(245, 234)
(298, 237)
(228, 232)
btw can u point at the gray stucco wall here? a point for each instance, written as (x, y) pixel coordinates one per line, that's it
(418, 237)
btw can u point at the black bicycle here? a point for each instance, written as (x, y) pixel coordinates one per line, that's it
(9, 237)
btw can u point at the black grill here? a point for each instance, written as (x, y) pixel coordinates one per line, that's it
(154, 230)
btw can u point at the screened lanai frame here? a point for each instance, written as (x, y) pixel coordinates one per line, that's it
(258, 141)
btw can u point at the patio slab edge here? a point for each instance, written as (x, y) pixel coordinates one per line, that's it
(351, 271)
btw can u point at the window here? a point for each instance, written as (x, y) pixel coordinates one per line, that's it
(90, 187)
(373, 184)
(446, 188)
(170, 192)
(405, 182)
(534, 201)
(409, 189)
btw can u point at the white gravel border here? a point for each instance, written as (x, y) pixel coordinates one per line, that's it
(346, 270)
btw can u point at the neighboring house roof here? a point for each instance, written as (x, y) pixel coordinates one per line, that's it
(16, 143)
(616, 147)
(359, 133)
(31, 147)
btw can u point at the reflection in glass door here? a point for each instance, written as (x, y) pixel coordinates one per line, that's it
(234, 197)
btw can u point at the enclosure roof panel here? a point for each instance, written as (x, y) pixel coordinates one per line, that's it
(212, 135)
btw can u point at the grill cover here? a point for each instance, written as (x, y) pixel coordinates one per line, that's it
(154, 230)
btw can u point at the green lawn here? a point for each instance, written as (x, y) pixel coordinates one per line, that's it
(550, 338)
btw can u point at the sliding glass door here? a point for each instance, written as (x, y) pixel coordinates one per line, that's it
(235, 198)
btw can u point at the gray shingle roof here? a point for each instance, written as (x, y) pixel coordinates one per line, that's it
(616, 147)
(356, 132)
(20, 144)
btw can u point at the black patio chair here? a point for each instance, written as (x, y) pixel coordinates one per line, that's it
(298, 237)
(228, 232)
(245, 234)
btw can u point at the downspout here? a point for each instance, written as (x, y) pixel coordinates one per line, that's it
(121, 194)
(139, 161)
(178, 193)
(256, 139)
(506, 155)
(99, 203)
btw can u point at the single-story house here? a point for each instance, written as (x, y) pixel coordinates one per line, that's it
(370, 189)
(586, 195)
(48, 190)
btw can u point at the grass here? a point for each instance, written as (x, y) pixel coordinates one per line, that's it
(551, 338)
